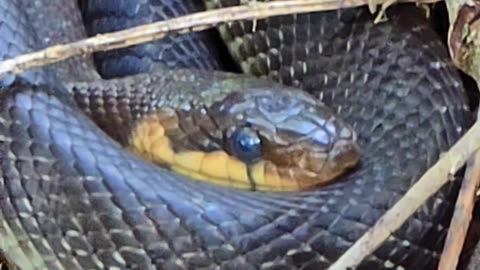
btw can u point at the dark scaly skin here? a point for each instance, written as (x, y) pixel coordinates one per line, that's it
(20, 38)
(194, 50)
(64, 25)
(188, 225)
(22, 29)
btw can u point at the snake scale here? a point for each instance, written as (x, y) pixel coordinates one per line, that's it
(71, 198)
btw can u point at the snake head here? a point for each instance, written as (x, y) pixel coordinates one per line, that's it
(289, 140)
(258, 138)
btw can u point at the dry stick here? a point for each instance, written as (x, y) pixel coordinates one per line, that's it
(462, 216)
(429, 183)
(180, 25)
(463, 43)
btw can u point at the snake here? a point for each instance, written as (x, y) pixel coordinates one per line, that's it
(73, 198)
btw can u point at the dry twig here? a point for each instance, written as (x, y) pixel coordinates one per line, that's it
(180, 25)
(462, 215)
(464, 45)
(429, 183)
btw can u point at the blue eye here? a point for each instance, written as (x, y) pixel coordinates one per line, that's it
(245, 145)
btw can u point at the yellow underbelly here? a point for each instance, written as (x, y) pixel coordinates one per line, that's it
(149, 140)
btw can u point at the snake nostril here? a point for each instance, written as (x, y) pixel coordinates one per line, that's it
(378, 128)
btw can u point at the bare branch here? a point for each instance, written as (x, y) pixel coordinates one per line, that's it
(462, 216)
(180, 25)
(429, 183)
(464, 45)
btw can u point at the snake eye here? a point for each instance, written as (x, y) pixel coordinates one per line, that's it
(245, 144)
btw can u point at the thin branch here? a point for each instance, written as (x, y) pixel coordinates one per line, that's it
(180, 25)
(462, 216)
(464, 46)
(429, 183)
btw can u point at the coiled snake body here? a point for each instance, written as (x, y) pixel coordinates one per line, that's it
(71, 198)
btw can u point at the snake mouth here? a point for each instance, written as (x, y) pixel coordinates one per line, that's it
(307, 158)
(343, 156)
(305, 171)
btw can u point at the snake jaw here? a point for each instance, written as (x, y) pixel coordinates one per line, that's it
(344, 155)
(309, 169)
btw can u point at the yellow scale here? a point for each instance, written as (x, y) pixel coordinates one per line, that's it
(150, 142)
